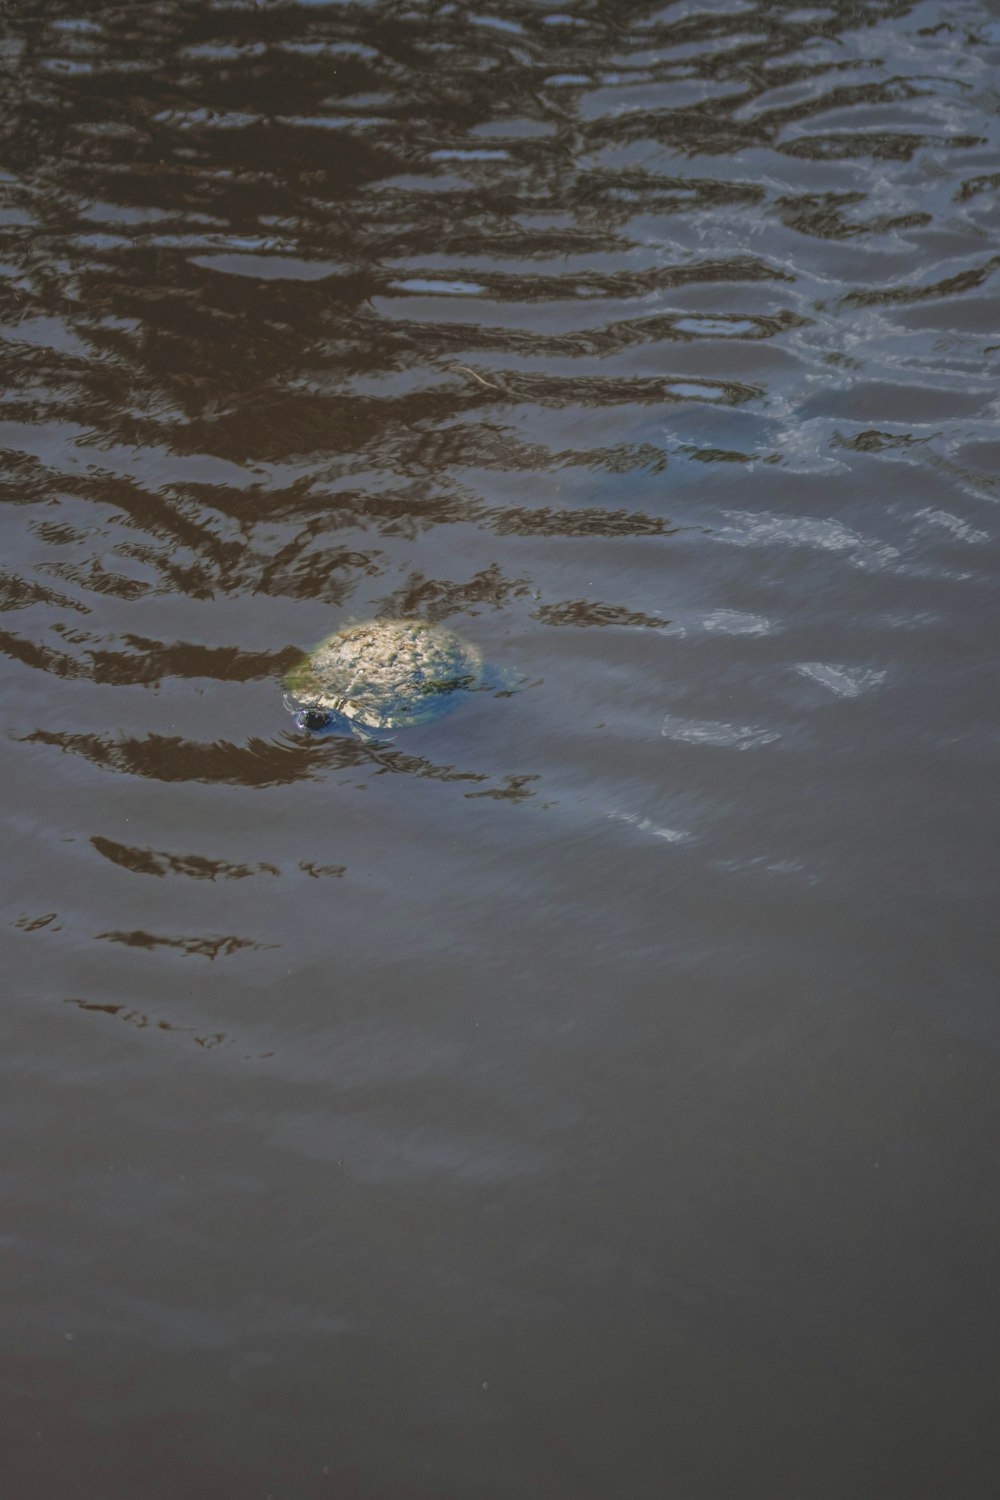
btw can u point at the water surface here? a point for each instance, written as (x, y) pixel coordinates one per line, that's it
(591, 1094)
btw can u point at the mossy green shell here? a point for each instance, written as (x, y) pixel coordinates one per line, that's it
(386, 674)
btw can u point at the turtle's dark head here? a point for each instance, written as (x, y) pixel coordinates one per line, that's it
(309, 715)
(314, 719)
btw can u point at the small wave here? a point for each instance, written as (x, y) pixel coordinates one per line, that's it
(497, 23)
(954, 524)
(768, 529)
(711, 732)
(736, 622)
(421, 285)
(843, 682)
(723, 328)
(268, 267)
(646, 825)
(469, 154)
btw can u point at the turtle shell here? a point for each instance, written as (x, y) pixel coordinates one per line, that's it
(386, 674)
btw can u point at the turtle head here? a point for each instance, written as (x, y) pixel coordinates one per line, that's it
(314, 718)
(302, 694)
(311, 716)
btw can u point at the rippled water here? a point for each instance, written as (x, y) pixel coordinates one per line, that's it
(591, 1094)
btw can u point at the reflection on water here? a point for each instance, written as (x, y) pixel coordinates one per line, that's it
(573, 1080)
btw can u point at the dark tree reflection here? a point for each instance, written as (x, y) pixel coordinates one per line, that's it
(283, 279)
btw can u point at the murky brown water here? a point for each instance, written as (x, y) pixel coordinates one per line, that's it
(592, 1094)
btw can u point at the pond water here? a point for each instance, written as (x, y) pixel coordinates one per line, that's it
(592, 1093)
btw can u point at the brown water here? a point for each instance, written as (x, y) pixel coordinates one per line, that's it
(593, 1094)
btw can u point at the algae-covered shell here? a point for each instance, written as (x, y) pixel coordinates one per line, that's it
(385, 674)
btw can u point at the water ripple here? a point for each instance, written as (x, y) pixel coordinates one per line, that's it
(650, 346)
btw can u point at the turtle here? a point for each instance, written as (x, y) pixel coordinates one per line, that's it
(382, 674)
